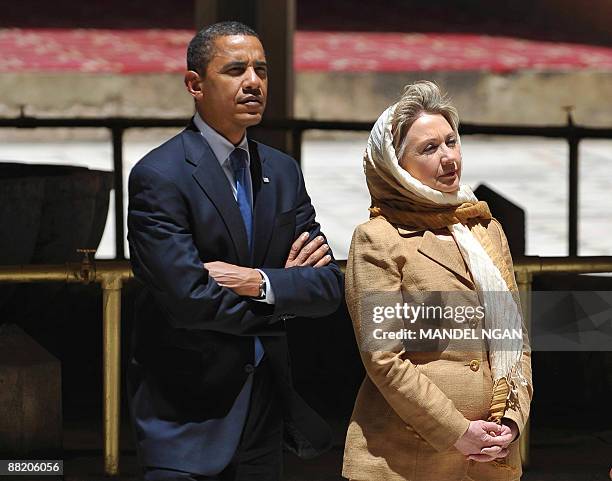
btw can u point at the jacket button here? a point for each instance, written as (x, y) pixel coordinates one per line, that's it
(474, 364)
(249, 368)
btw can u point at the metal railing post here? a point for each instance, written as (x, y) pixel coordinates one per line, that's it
(117, 133)
(573, 192)
(111, 288)
(524, 280)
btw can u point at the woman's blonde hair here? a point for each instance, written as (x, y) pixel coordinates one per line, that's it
(420, 97)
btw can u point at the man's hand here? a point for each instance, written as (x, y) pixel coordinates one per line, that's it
(311, 254)
(485, 441)
(244, 281)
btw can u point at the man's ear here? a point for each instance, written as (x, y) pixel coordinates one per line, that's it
(193, 82)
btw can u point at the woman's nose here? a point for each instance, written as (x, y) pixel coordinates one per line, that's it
(448, 155)
(448, 162)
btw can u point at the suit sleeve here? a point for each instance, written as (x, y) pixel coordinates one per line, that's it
(165, 258)
(518, 412)
(373, 279)
(306, 291)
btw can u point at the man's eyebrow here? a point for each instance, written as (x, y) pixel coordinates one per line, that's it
(234, 64)
(239, 64)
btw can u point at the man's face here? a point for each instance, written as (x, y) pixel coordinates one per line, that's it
(235, 86)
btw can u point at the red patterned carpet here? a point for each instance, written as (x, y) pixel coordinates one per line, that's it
(156, 51)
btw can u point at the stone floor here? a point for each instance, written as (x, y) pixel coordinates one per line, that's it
(530, 172)
(556, 455)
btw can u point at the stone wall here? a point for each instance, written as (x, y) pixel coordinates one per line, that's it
(526, 97)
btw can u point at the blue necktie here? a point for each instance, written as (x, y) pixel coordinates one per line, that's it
(238, 159)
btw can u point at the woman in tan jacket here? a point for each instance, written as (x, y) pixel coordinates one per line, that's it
(440, 409)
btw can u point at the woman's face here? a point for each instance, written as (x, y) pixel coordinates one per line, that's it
(433, 153)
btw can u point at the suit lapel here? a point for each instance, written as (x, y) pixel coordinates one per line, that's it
(210, 177)
(439, 251)
(264, 203)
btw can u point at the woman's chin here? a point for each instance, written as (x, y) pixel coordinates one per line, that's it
(447, 183)
(447, 189)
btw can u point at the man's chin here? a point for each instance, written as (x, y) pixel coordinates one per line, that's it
(250, 119)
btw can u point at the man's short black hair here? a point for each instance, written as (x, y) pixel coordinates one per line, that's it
(201, 48)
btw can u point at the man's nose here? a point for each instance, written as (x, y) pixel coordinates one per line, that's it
(251, 79)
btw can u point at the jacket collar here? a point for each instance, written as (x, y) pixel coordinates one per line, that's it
(441, 252)
(209, 175)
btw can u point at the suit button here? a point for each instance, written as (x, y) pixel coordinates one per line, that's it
(474, 364)
(249, 368)
(473, 323)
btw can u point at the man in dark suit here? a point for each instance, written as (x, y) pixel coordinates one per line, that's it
(223, 236)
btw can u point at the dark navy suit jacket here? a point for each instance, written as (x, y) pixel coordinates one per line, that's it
(193, 338)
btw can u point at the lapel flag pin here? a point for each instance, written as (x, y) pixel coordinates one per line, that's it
(266, 180)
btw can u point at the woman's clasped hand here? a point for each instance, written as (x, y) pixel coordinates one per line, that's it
(485, 441)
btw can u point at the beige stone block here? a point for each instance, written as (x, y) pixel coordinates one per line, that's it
(30, 396)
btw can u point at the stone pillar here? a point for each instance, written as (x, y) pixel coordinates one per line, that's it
(274, 21)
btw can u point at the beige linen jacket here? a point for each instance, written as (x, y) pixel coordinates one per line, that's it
(413, 406)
